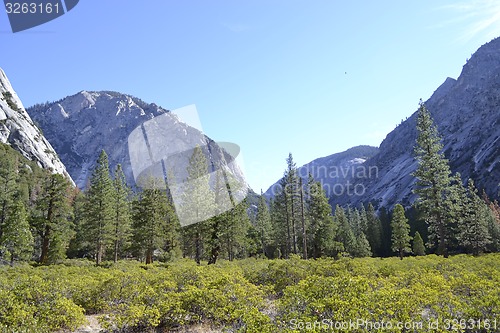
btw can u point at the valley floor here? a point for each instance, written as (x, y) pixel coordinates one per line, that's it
(461, 293)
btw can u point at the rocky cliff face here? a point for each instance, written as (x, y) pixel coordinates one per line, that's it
(467, 114)
(19, 131)
(133, 133)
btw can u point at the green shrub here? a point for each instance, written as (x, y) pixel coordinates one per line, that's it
(252, 295)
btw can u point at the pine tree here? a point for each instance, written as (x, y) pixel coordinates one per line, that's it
(345, 233)
(99, 208)
(8, 190)
(293, 201)
(279, 226)
(222, 219)
(418, 245)
(363, 220)
(319, 213)
(121, 214)
(473, 231)
(458, 204)
(433, 180)
(400, 232)
(17, 239)
(303, 219)
(355, 221)
(494, 226)
(154, 223)
(362, 247)
(493, 223)
(79, 246)
(197, 204)
(494, 231)
(385, 222)
(52, 218)
(288, 213)
(236, 230)
(374, 230)
(263, 224)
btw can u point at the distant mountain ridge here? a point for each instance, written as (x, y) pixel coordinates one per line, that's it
(18, 130)
(81, 125)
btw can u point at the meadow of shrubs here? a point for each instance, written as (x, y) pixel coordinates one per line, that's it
(417, 294)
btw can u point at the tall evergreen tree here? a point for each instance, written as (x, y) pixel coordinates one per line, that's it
(52, 218)
(433, 180)
(279, 226)
(362, 246)
(263, 224)
(99, 208)
(17, 239)
(303, 220)
(418, 245)
(385, 222)
(457, 204)
(345, 233)
(374, 230)
(293, 201)
(122, 229)
(354, 220)
(221, 219)
(8, 189)
(473, 233)
(197, 204)
(400, 232)
(80, 245)
(154, 223)
(321, 226)
(493, 223)
(363, 220)
(288, 213)
(235, 231)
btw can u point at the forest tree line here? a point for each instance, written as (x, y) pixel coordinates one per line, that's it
(43, 218)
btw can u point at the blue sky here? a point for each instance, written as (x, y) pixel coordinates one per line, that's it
(308, 77)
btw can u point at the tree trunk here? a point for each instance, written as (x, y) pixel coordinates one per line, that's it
(294, 232)
(215, 244)
(44, 256)
(116, 237)
(262, 241)
(149, 256)
(99, 253)
(288, 238)
(214, 255)
(304, 233)
(116, 251)
(442, 234)
(197, 242)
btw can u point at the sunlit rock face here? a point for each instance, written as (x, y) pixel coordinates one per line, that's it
(19, 131)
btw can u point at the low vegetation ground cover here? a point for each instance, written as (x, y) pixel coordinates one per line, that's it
(423, 294)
